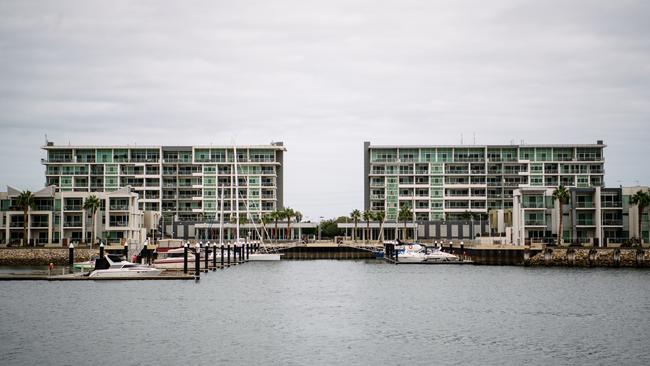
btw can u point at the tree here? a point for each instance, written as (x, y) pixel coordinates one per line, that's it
(641, 200)
(266, 219)
(405, 215)
(367, 217)
(92, 205)
(25, 201)
(380, 216)
(355, 215)
(277, 215)
(288, 213)
(560, 194)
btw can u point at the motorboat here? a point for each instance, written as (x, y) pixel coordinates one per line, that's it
(113, 266)
(85, 265)
(174, 259)
(264, 257)
(437, 255)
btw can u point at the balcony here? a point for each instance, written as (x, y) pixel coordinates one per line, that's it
(119, 207)
(585, 223)
(612, 222)
(70, 224)
(534, 223)
(584, 204)
(72, 208)
(606, 204)
(119, 223)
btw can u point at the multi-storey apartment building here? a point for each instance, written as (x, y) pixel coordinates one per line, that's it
(59, 218)
(183, 183)
(592, 215)
(447, 182)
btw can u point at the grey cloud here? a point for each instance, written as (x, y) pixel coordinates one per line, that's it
(323, 77)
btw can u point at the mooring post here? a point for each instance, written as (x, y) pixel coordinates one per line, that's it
(205, 264)
(222, 256)
(248, 251)
(396, 256)
(228, 248)
(234, 253)
(185, 250)
(640, 256)
(101, 250)
(125, 251)
(214, 257)
(616, 257)
(462, 251)
(71, 255)
(197, 261)
(148, 252)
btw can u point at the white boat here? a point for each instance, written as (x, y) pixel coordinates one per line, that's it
(437, 255)
(264, 257)
(114, 266)
(415, 253)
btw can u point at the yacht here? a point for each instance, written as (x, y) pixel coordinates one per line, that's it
(437, 255)
(113, 266)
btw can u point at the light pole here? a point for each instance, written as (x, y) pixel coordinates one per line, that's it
(320, 221)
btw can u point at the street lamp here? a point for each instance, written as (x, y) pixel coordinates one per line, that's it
(320, 221)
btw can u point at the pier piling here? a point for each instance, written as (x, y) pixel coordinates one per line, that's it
(214, 257)
(71, 255)
(205, 263)
(221, 256)
(125, 251)
(197, 261)
(228, 248)
(185, 249)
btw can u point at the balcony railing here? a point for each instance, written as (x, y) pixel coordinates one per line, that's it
(534, 223)
(611, 204)
(119, 223)
(72, 224)
(585, 222)
(119, 207)
(72, 207)
(613, 222)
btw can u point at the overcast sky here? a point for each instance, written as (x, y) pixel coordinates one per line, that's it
(324, 76)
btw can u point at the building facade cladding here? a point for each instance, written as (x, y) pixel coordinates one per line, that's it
(446, 182)
(593, 215)
(58, 217)
(180, 182)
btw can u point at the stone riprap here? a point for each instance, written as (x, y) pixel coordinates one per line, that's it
(42, 256)
(601, 257)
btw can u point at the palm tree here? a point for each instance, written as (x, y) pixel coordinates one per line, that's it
(267, 218)
(641, 200)
(380, 216)
(288, 214)
(25, 201)
(405, 214)
(277, 215)
(561, 194)
(355, 215)
(91, 205)
(367, 217)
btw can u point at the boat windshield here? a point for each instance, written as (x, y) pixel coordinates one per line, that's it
(114, 258)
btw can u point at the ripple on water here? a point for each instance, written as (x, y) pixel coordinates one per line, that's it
(335, 312)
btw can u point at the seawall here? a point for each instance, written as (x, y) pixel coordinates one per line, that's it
(42, 256)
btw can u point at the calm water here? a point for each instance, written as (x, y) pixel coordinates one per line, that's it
(335, 312)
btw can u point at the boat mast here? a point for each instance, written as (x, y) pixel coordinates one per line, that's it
(236, 195)
(221, 219)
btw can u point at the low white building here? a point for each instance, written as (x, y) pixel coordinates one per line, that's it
(58, 218)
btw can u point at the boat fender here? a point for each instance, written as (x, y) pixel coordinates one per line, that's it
(51, 266)
(410, 247)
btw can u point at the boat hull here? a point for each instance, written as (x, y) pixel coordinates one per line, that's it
(146, 272)
(264, 257)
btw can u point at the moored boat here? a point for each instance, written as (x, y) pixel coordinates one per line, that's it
(113, 266)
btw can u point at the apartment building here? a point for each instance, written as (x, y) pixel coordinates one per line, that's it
(593, 215)
(182, 183)
(447, 182)
(58, 217)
